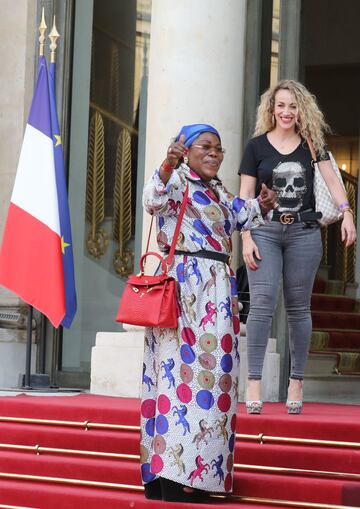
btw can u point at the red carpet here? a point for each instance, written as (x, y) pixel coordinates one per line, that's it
(338, 303)
(318, 421)
(338, 339)
(326, 320)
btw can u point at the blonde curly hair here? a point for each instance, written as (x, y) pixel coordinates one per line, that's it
(311, 122)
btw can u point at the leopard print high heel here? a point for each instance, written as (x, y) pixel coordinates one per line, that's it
(295, 406)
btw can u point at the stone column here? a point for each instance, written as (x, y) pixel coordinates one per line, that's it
(16, 81)
(196, 75)
(289, 44)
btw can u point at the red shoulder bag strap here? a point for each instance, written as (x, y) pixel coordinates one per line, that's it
(170, 256)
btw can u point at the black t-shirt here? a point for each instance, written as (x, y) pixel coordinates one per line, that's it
(290, 175)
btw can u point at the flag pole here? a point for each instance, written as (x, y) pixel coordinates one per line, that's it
(42, 30)
(27, 384)
(29, 327)
(53, 36)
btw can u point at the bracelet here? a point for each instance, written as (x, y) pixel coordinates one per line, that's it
(348, 209)
(344, 205)
(167, 167)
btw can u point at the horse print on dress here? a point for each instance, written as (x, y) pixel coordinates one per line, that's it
(151, 341)
(210, 282)
(201, 435)
(200, 468)
(221, 271)
(168, 366)
(169, 335)
(180, 241)
(221, 425)
(188, 303)
(181, 412)
(197, 240)
(210, 312)
(236, 348)
(236, 387)
(217, 465)
(146, 379)
(193, 265)
(176, 452)
(226, 306)
(174, 205)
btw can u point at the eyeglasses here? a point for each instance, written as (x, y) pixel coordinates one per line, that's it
(207, 148)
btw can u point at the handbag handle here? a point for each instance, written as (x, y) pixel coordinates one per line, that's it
(152, 253)
(312, 150)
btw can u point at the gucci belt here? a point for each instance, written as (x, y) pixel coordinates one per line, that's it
(286, 219)
(296, 217)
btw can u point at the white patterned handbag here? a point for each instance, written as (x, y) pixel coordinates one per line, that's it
(323, 199)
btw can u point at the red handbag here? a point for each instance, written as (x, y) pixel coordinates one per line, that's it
(150, 301)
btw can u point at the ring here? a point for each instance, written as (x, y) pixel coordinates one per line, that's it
(276, 204)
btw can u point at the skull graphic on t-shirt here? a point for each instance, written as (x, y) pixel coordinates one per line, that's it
(289, 182)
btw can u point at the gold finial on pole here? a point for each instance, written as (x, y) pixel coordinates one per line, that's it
(53, 36)
(42, 30)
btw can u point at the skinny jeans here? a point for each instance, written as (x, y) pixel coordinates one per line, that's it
(293, 252)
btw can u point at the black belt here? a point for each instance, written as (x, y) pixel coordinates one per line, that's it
(296, 217)
(211, 255)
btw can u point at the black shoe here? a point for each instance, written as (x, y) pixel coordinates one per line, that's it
(153, 490)
(174, 492)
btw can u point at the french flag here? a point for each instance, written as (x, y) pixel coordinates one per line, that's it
(33, 246)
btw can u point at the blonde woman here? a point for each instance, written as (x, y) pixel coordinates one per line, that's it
(290, 244)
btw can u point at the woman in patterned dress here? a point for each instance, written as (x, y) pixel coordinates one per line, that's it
(190, 374)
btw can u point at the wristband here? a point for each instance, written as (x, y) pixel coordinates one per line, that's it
(348, 209)
(344, 205)
(167, 167)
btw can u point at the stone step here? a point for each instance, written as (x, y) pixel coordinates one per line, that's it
(332, 388)
(335, 287)
(321, 364)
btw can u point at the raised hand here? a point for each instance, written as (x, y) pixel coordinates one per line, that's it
(176, 151)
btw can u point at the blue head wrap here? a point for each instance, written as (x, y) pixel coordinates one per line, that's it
(191, 132)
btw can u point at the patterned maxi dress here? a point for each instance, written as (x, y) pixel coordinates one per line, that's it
(190, 374)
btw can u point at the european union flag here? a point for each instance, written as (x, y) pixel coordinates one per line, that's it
(64, 214)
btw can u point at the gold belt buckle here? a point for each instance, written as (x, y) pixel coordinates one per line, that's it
(287, 219)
